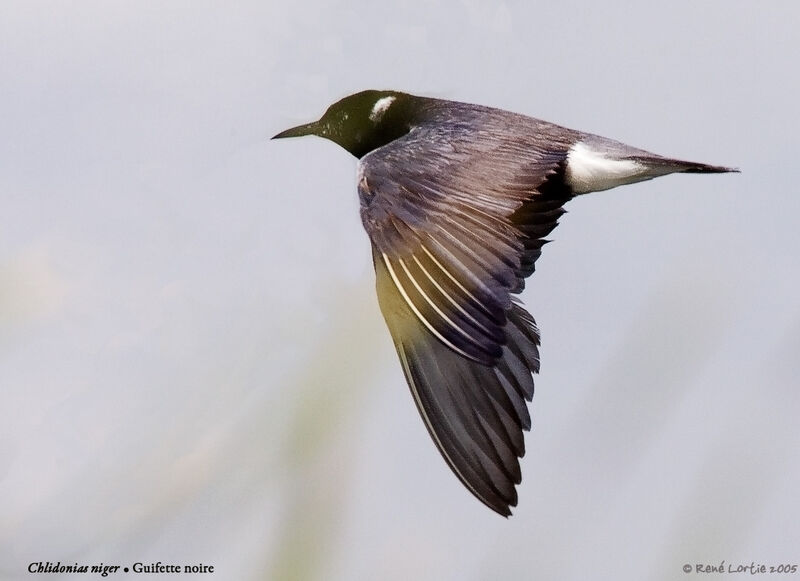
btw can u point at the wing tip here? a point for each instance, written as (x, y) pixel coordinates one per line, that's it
(501, 508)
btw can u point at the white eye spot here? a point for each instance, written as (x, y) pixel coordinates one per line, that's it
(379, 108)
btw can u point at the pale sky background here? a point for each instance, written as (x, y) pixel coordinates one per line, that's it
(193, 366)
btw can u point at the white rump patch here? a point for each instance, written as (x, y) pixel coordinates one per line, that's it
(380, 107)
(590, 170)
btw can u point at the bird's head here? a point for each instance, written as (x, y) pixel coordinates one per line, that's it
(361, 122)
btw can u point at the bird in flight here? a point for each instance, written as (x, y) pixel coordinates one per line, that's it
(456, 200)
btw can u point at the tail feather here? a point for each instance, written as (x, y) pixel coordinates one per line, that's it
(596, 163)
(681, 166)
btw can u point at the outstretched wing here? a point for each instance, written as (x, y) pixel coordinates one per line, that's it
(456, 223)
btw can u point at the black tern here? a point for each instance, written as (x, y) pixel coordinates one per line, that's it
(456, 200)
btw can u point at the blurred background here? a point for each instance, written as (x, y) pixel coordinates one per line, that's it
(193, 366)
